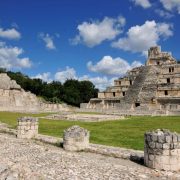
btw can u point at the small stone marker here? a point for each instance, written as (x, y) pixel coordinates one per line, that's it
(162, 150)
(27, 127)
(75, 139)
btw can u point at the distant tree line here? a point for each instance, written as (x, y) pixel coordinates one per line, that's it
(72, 92)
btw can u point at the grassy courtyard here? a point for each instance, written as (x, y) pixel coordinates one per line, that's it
(127, 133)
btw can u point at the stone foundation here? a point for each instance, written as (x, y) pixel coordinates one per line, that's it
(162, 150)
(75, 139)
(27, 127)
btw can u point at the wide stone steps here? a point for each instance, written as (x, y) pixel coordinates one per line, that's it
(148, 91)
(134, 90)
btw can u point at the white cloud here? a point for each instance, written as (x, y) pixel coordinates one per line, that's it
(9, 34)
(100, 82)
(141, 38)
(62, 76)
(143, 3)
(44, 76)
(48, 40)
(9, 57)
(145, 54)
(95, 32)
(164, 30)
(70, 73)
(109, 66)
(164, 14)
(171, 5)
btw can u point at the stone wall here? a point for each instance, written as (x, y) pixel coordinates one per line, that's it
(162, 150)
(27, 127)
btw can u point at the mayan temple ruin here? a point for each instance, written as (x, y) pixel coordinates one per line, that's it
(150, 89)
(14, 98)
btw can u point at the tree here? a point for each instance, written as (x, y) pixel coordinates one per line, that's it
(87, 91)
(72, 92)
(2, 70)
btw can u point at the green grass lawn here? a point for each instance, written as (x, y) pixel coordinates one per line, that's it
(123, 133)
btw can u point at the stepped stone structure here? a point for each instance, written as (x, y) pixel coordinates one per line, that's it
(150, 89)
(162, 150)
(14, 98)
(75, 139)
(27, 127)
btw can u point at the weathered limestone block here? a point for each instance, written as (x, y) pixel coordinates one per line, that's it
(27, 127)
(75, 139)
(162, 150)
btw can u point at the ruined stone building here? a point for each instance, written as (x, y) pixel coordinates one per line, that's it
(14, 98)
(150, 89)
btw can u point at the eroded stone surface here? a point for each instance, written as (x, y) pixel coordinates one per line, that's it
(162, 150)
(14, 98)
(27, 127)
(27, 160)
(75, 139)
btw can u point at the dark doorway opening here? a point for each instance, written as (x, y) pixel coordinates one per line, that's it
(168, 80)
(137, 104)
(130, 82)
(123, 93)
(166, 93)
(114, 94)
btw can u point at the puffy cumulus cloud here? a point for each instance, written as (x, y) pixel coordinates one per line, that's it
(9, 57)
(109, 66)
(100, 82)
(9, 34)
(48, 40)
(171, 5)
(140, 38)
(68, 73)
(143, 3)
(95, 32)
(164, 30)
(44, 76)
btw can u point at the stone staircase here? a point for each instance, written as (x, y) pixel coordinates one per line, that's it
(132, 94)
(149, 88)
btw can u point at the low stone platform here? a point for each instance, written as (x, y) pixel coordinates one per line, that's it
(69, 116)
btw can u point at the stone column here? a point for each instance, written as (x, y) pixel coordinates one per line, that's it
(27, 127)
(75, 139)
(162, 150)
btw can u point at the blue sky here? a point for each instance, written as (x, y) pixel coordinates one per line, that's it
(95, 40)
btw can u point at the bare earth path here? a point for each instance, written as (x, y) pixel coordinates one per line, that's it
(28, 159)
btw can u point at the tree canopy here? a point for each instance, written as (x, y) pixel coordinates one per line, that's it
(72, 92)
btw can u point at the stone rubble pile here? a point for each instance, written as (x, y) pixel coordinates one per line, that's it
(27, 127)
(162, 150)
(76, 139)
